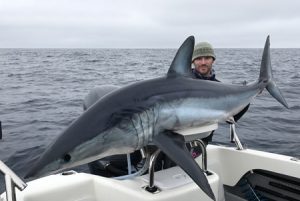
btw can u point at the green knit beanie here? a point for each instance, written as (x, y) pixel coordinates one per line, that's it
(203, 49)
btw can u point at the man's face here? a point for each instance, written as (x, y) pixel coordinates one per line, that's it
(203, 65)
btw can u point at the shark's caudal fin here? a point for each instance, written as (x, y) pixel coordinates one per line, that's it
(181, 64)
(173, 145)
(266, 75)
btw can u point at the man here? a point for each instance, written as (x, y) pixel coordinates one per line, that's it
(203, 59)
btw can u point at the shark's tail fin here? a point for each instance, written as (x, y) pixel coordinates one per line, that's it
(267, 77)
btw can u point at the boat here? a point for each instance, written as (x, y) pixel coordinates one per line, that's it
(231, 173)
(234, 174)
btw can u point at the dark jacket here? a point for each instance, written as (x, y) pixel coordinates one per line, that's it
(211, 78)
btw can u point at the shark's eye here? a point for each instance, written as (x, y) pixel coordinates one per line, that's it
(67, 158)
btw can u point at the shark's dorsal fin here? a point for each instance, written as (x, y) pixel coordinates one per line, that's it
(181, 64)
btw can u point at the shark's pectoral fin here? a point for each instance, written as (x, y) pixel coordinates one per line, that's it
(173, 145)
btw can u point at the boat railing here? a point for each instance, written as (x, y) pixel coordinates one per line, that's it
(202, 146)
(192, 136)
(151, 187)
(234, 137)
(11, 181)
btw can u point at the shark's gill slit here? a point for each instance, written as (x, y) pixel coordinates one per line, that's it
(67, 157)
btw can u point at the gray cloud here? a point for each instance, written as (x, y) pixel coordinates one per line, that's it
(152, 24)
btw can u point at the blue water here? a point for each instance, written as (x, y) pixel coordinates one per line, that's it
(41, 92)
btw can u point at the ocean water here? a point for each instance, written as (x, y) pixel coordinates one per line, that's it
(41, 93)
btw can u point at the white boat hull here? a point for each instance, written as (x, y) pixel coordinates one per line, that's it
(226, 165)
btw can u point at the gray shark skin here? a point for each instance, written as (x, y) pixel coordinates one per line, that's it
(131, 117)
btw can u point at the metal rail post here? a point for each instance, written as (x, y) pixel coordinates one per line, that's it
(11, 181)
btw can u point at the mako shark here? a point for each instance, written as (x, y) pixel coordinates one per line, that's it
(151, 111)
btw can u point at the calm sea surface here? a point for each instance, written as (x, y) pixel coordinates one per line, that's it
(41, 93)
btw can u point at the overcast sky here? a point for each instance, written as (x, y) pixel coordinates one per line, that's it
(148, 24)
